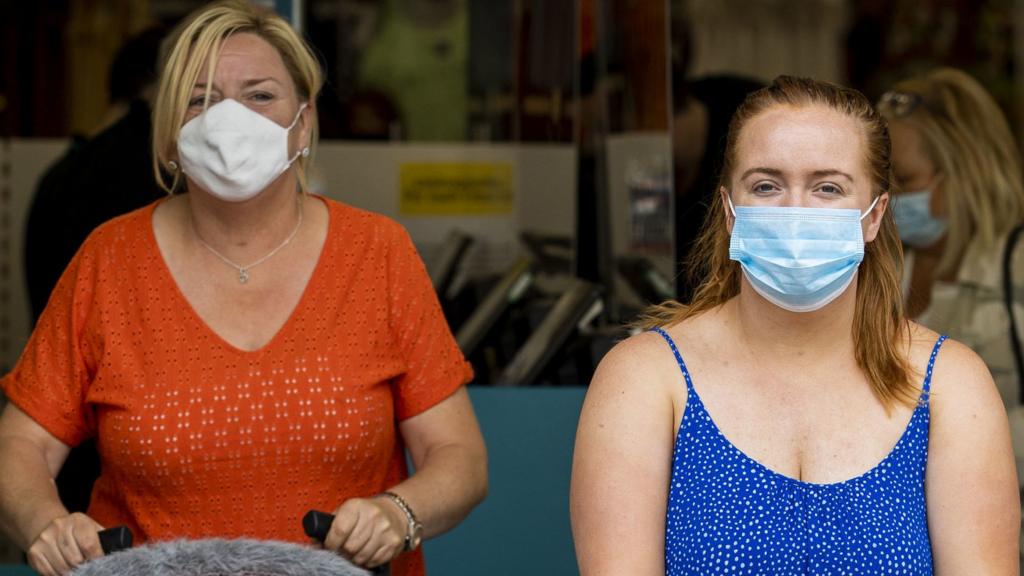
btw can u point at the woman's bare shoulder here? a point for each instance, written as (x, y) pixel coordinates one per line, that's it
(961, 384)
(953, 360)
(647, 359)
(641, 357)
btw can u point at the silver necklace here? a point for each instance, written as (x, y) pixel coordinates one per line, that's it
(243, 271)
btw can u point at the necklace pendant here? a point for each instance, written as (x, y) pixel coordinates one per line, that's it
(243, 275)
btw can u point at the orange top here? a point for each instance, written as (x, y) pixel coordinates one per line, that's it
(200, 439)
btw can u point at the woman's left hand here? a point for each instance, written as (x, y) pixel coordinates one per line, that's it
(368, 531)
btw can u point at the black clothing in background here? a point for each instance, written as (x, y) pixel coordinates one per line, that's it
(40, 275)
(721, 95)
(110, 175)
(96, 180)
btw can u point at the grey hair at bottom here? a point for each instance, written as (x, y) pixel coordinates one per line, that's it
(220, 557)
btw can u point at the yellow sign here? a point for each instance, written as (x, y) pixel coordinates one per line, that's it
(456, 188)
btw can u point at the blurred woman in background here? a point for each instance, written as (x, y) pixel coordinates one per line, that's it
(959, 194)
(959, 198)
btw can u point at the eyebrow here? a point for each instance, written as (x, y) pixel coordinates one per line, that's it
(761, 170)
(776, 172)
(245, 84)
(825, 173)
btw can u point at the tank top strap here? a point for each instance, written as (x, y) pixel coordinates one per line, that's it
(679, 358)
(926, 387)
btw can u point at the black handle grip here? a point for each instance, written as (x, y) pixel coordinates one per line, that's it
(317, 524)
(115, 539)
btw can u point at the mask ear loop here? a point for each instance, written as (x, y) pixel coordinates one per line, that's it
(305, 151)
(301, 108)
(870, 208)
(732, 209)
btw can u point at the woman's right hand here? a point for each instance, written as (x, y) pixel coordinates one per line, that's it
(64, 543)
(368, 531)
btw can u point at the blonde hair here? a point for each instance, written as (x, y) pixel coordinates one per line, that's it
(196, 42)
(879, 325)
(967, 138)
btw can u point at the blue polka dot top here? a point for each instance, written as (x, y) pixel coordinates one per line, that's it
(728, 514)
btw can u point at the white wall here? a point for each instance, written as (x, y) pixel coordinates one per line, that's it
(544, 182)
(27, 159)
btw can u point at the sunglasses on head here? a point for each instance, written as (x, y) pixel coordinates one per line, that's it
(900, 104)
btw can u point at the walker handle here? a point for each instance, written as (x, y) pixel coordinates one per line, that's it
(115, 539)
(317, 524)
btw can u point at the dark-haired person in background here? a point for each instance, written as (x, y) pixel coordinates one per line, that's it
(702, 110)
(96, 180)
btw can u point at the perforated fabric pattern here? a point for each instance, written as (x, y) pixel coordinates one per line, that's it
(201, 439)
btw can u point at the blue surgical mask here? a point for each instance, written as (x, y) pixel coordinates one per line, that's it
(914, 220)
(799, 259)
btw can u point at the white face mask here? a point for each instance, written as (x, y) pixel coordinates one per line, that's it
(233, 152)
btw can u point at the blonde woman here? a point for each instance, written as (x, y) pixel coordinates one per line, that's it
(242, 351)
(790, 420)
(959, 194)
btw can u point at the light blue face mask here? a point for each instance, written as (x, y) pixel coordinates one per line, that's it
(914, 220)
(799, 259)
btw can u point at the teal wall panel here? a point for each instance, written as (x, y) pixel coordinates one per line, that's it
(523, 525)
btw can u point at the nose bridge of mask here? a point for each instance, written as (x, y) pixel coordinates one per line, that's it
(732, 207)
(916, 200)
(240, 135)
(227, 111)
(233, 108)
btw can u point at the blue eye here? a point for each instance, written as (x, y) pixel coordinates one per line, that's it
(831, 189)
(764, 188)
